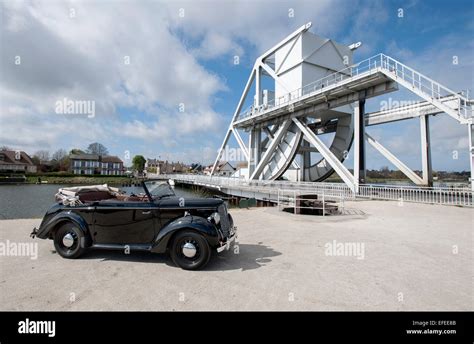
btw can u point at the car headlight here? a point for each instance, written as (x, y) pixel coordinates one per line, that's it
(214, 217)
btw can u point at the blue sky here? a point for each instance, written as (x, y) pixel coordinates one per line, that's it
(181, 53)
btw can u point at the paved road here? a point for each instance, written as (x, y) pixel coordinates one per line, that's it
(412, 257)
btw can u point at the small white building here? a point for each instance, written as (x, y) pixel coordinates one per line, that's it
(223, 169)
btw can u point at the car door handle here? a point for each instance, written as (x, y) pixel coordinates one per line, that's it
(147, 212)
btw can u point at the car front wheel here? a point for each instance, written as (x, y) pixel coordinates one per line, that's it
(190, 250)
(69, 241)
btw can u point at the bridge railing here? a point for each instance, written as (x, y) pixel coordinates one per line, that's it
(305, 201)
(426, 85)
(435, 195)
(459, 196)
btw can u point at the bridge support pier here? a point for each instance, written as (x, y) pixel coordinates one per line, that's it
(305, 160)
(427, 171)
(359, 144)
(255, 150)
(471, 152)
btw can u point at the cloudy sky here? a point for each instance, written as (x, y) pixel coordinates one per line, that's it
(163, 78)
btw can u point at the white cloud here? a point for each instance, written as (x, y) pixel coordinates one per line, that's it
(221, 25)
(84, 58)
(77, 49)
(215, 45)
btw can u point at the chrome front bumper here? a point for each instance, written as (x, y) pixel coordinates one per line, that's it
(230, 241)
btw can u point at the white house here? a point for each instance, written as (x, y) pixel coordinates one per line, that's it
(224, 169)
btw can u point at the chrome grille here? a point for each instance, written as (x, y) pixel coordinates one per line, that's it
(225, 225)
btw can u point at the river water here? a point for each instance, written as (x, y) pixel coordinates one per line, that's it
(24, 201)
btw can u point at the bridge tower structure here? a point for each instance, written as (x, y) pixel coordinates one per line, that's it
(316, 88)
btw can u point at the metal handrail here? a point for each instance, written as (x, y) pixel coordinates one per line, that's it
(289, 198)
(404, 67)
(424, 83)
(461, 196)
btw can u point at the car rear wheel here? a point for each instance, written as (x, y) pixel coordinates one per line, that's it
(190, 250)
(69, 241)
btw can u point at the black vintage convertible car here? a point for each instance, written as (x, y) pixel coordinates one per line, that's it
(156, 220)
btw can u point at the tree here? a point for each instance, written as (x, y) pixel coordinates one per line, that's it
(385, 171)
(42, 155)
(41, 160)
(5, 148)
(59, 155)
(60, 160)
(97, 148)
(138, 162)
(36, 160)
(76, 151)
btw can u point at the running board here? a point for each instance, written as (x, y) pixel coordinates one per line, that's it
(131, 247)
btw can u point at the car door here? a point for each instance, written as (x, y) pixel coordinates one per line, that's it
(124, 222)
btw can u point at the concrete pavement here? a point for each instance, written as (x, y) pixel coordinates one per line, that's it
(381, 257)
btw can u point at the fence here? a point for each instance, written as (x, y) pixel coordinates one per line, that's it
(309, 203)
(435, 195)
(457, 196)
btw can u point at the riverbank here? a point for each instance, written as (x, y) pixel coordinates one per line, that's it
(410, 257)
(81, 180)
(69, 179)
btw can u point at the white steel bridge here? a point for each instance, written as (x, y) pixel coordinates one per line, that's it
(318, 90)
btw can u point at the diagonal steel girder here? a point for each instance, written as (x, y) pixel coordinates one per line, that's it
(274, 76)
(394, 160)
(234, 117)
(270, 136)
(271, 149)
(340, 169)
(241, 143)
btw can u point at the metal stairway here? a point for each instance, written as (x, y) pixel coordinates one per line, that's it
(428, 89)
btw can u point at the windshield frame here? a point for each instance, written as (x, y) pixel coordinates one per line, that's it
(148, 189)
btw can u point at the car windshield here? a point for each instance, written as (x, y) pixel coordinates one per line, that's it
(159, 189)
